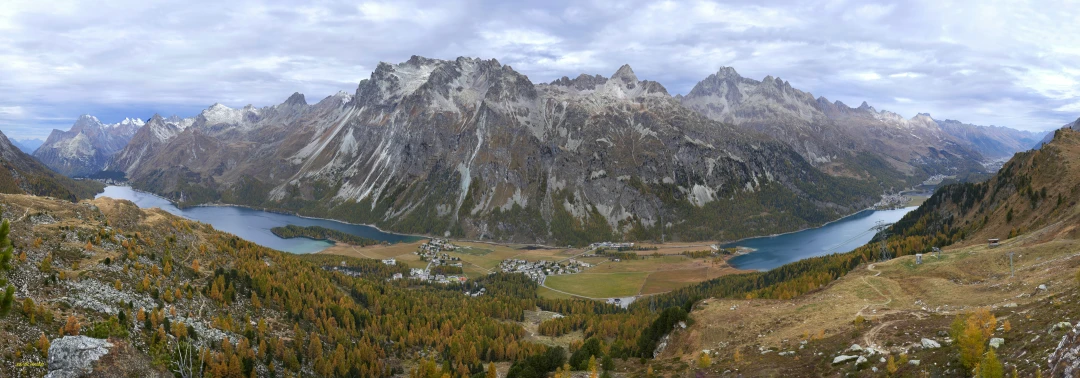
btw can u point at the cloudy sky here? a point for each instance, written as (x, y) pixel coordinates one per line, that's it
(1014, 64)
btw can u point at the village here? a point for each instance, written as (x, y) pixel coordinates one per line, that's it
(432, 253)
(539, 270)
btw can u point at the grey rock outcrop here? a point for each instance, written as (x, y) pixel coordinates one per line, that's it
(74, 356)
(1064, 361)
(843, 358)
(930, 344)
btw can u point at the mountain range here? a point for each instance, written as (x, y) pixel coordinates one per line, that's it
(85, 149)
(840, 138)
(27, 145)
(472, 148)
(20, 173)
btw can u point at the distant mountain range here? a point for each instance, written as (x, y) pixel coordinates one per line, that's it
(85, 149)
(27, 145)
(472, 148)
(840, 139)
(20, 173)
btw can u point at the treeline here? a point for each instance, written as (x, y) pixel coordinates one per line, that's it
(699, 254)
(321, 233)
(619, 255)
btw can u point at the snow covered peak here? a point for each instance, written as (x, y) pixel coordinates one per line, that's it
(128, 122)
(219, 114)
(88, 118)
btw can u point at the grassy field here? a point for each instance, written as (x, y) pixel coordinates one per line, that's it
(599, 285)
(605, 279)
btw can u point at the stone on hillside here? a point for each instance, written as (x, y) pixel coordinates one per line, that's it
(73, 356)
(1042, 287)
(1061, 326)
(996, 342)
(930, 344)
(913, 362)
(860, 360)
(843, 358)
(855, 348)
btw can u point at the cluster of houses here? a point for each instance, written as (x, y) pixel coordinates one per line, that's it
(891, 201)
(437, 245)
(538, 270)
(610, 245)
(425, 275)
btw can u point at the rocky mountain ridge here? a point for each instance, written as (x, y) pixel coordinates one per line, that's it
(86, 148)
(835, 136)
(472, 148)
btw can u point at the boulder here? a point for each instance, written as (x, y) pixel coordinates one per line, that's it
(861, 360)
(843, 358)
(996, 342)
(855, 348)
(913, 362)
(1061, 326)
(73, 356)
(930, 344)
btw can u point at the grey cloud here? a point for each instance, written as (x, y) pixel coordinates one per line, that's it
(1008, 64)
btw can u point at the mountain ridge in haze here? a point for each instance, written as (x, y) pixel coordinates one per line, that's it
(86, 148)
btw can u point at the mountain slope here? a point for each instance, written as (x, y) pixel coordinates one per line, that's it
(28, 145)
(471, 148)
(842, 139)
(1033, 190)
(21, 173)
(992, 141)
(85, 149)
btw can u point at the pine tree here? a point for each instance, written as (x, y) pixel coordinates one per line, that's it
(990, 366)
(6, 251)
(43, 344)
(704, 361)
(71, 327)
(491, 372)
(890, 366)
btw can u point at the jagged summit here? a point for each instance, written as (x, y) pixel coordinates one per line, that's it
(727, 71)
(625, 74)
(297, 98)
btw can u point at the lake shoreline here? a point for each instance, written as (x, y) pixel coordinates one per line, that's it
(268, 210)
(809, 228)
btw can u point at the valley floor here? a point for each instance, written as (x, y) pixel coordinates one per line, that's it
(659, 270)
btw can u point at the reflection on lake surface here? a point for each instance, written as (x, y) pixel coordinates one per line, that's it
(253, 225)
(843, 235)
